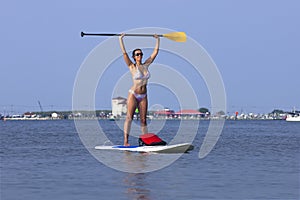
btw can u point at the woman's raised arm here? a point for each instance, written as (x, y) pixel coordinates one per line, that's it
(155, 51)
(125, 55)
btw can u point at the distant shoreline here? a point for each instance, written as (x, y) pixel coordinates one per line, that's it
(120, 119)
(152, 115)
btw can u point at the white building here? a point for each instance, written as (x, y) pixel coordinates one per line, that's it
(119, 106)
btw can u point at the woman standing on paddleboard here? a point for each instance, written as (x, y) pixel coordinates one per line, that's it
(137, 96)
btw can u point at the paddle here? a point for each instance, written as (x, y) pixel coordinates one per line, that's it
(175, 36)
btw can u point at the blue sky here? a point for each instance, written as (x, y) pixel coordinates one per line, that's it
(255, 45)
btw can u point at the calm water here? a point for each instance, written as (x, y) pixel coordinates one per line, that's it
(252, 160)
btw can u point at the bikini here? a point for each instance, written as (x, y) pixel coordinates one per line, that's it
(140, 76)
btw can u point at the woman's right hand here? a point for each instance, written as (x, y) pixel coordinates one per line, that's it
(122, 35)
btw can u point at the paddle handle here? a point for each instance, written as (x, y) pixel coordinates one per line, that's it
(117, 34)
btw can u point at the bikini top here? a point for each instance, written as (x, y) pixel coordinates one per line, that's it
(140, 76)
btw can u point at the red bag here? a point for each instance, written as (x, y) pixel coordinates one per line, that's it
(150, 139)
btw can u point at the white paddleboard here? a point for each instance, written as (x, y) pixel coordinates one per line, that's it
(175, 148)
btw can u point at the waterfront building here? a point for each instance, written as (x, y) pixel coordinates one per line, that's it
(119, 106)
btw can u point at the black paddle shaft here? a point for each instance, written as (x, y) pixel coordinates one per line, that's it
(117, 34)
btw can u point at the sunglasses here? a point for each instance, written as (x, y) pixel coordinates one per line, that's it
(138, 54)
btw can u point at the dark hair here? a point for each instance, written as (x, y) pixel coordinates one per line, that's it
(133, 53)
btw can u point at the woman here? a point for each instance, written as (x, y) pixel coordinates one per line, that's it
(137, 96)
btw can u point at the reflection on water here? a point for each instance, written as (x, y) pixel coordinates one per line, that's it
(137, 186)
(135, 161)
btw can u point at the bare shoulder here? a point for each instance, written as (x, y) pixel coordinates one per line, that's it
(147, 62)
(131, 66)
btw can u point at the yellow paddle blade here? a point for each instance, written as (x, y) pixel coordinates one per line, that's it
(176, 36)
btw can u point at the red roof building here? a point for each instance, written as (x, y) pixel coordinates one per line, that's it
(166, 112)
(189, 112)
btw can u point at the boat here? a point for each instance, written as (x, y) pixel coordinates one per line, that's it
(293, 118)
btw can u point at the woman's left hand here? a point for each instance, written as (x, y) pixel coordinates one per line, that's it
(155, 36)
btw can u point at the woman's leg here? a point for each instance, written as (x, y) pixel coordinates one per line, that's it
(131, 105)
(143, 108)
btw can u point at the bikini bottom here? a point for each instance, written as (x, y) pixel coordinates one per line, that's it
(139, 97)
